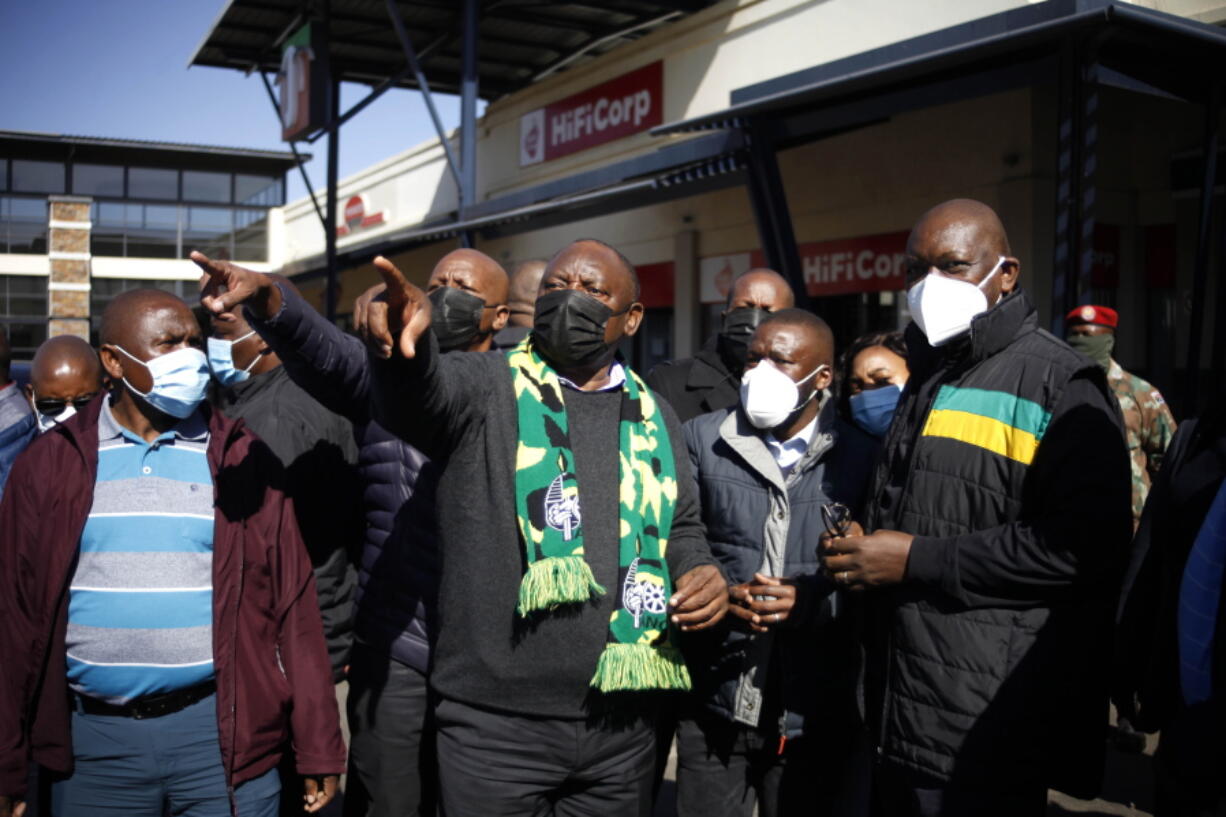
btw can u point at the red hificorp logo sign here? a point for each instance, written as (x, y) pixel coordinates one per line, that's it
(620, 107)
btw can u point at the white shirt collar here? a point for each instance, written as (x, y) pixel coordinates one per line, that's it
(790, 451)
(617, 378)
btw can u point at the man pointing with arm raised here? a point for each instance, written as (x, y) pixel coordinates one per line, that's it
(571, 538)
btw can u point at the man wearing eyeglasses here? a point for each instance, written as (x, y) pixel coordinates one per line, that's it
(64, 377)
(773, 717)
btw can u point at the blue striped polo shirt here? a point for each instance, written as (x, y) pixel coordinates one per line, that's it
(140, 604)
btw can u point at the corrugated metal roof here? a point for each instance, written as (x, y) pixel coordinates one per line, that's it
(519, 40)
(13, 137)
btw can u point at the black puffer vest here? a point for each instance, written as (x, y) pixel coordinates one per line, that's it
(963, 689)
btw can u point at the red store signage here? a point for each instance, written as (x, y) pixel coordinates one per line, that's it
(870, 263)
(612, 110)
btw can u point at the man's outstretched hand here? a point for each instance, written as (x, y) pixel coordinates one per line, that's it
(700, 599)
(392, 315)
(225, 286)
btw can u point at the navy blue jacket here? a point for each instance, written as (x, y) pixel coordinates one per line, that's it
(398, 570)
(801, 677)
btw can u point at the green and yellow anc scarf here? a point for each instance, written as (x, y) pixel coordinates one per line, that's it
(638, 655)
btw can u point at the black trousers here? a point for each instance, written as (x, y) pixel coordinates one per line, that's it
(391, 746)
(493, 764)
(901, 793)
(724, 769)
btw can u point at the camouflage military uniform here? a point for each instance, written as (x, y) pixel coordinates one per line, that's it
(1150, 426)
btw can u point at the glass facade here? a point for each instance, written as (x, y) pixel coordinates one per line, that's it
(173, 231)
(23, 312)
(142, 212)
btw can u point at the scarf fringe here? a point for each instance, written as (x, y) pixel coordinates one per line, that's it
(635, 667)
(555, 581)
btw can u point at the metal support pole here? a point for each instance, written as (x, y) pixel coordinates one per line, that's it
(468, 115)
(1200, 271)
(297, 157)
(770, 209)
(393, 11)
(1076, 163)
(334, 132)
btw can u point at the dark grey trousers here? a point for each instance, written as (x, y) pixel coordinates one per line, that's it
(493, 764)
(391, 751)
(724, 769)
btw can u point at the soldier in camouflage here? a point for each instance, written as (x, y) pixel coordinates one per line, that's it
(1147, 418)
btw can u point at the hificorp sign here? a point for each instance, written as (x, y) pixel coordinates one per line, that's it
(612, 110)
(871, 263)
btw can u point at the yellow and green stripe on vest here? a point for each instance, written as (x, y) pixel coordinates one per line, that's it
(1003, 423)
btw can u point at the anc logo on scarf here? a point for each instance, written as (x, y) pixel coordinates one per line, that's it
(638, 655)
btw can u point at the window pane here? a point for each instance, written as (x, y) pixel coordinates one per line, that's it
(25, 337)
(28, 285)
(257, 190)
(97, 180)
(152, 183)
(38, 177)
(250, 236)
(209, 230)
(4, 174)
(152, 231)
(29, 307)
(201, 186)
(25, 222)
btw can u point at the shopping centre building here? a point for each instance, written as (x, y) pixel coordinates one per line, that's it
(703, 138)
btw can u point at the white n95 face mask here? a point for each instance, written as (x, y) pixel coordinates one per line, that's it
(943, 307)
(769, 396)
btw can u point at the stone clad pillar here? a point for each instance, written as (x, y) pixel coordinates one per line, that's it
(68, 251)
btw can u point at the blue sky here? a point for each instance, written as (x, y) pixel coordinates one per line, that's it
(118, 68)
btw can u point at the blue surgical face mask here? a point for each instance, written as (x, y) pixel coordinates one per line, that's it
(179, 380)
(221, 360)
(874, 409)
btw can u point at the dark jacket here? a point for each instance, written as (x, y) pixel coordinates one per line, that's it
(271, 664)
(317, 449)
(18, 426)
(1007, 461)
(460, 409)
(698, 384)
(801, 677)
(1147, 676)
(398, 568)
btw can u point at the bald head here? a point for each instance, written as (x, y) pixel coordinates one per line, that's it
(965, 240)
(65, 368)
(135, 313)
(762, 289)
(589, 258)
(814, 333)
(468, 291)
(472, 271)
(525, 283)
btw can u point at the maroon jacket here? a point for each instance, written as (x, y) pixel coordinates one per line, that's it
(265, 615)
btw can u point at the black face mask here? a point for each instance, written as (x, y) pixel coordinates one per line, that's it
(738, 328)
(456, 319)
(569, 328)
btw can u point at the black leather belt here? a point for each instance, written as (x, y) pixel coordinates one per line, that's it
(153, 706)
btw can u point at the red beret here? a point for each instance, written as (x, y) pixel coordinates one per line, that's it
(1101, 315)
